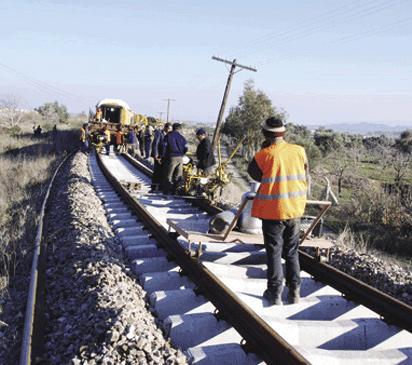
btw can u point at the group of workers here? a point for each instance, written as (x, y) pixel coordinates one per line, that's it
(282, 170)
(169, 147)
(166, 146)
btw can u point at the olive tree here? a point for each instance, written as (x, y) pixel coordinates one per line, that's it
(53, 113)
(344, 160)
(245, 119)
(404, 143)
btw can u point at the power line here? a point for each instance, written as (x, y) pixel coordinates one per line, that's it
(372, 32)
(348, 39)
(40, 85)
(302, 24)
(345, 12)
(310, 30)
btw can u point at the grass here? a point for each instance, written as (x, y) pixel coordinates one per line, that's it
(26, 164)
(359, 242)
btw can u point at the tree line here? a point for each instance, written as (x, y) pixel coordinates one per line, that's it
(12, 115)
(372, 175)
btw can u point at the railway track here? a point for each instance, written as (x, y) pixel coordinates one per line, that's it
(35, 300)
(209, 296)
(212, 307)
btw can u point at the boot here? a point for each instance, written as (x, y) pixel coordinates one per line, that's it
(294, 294)
(273, 296)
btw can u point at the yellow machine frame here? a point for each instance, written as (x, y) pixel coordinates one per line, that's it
(216, 180)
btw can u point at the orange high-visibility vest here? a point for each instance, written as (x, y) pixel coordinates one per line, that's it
(119, 138)
(282, 191)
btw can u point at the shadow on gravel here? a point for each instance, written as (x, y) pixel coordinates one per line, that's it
(81, 179)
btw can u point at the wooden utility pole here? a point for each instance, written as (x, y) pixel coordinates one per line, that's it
(233, 64)
(168, 108)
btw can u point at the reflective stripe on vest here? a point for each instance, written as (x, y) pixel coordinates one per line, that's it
(292, 194)
(283, 178)
(282, 192)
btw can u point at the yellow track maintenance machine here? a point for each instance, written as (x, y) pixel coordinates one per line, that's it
(112, 114)
(210, 186)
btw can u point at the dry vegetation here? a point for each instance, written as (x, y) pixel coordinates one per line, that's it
(26, 164)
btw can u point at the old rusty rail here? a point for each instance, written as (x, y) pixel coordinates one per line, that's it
(33, 306)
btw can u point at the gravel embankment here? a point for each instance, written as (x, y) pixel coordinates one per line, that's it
(96, 312)
(382, 274)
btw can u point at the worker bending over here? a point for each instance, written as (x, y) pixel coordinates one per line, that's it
(204, 152)
(84, 138)
(282, 169)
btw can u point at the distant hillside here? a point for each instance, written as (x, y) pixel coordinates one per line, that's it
(364, 128)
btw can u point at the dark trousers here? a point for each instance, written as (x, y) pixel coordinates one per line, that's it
(85, 146)
(147, 147)
(173, 173)
(158, 175)
(141, 146)
(281, 239)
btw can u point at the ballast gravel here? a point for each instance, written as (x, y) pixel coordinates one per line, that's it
(95, 310)
(383, 275)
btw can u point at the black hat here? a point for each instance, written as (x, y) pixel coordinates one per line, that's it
(200, 132)
(177, 126)
(273, 124)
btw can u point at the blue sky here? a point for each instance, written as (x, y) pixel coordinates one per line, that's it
(322, 61)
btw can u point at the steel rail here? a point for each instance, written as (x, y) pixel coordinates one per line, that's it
(201, 203)
(393, 311)
(259, 336)
(26, 351)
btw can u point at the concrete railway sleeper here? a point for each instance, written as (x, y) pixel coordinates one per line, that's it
(327, 326)
(389, 308)
(188, 317)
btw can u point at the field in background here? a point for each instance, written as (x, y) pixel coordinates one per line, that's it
(26, 164)
(373, 205)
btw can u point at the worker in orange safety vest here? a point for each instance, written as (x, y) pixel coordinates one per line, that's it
(282, 170)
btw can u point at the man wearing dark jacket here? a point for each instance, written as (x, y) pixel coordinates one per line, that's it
(176, 147)
(204, 153)
(158, 151)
